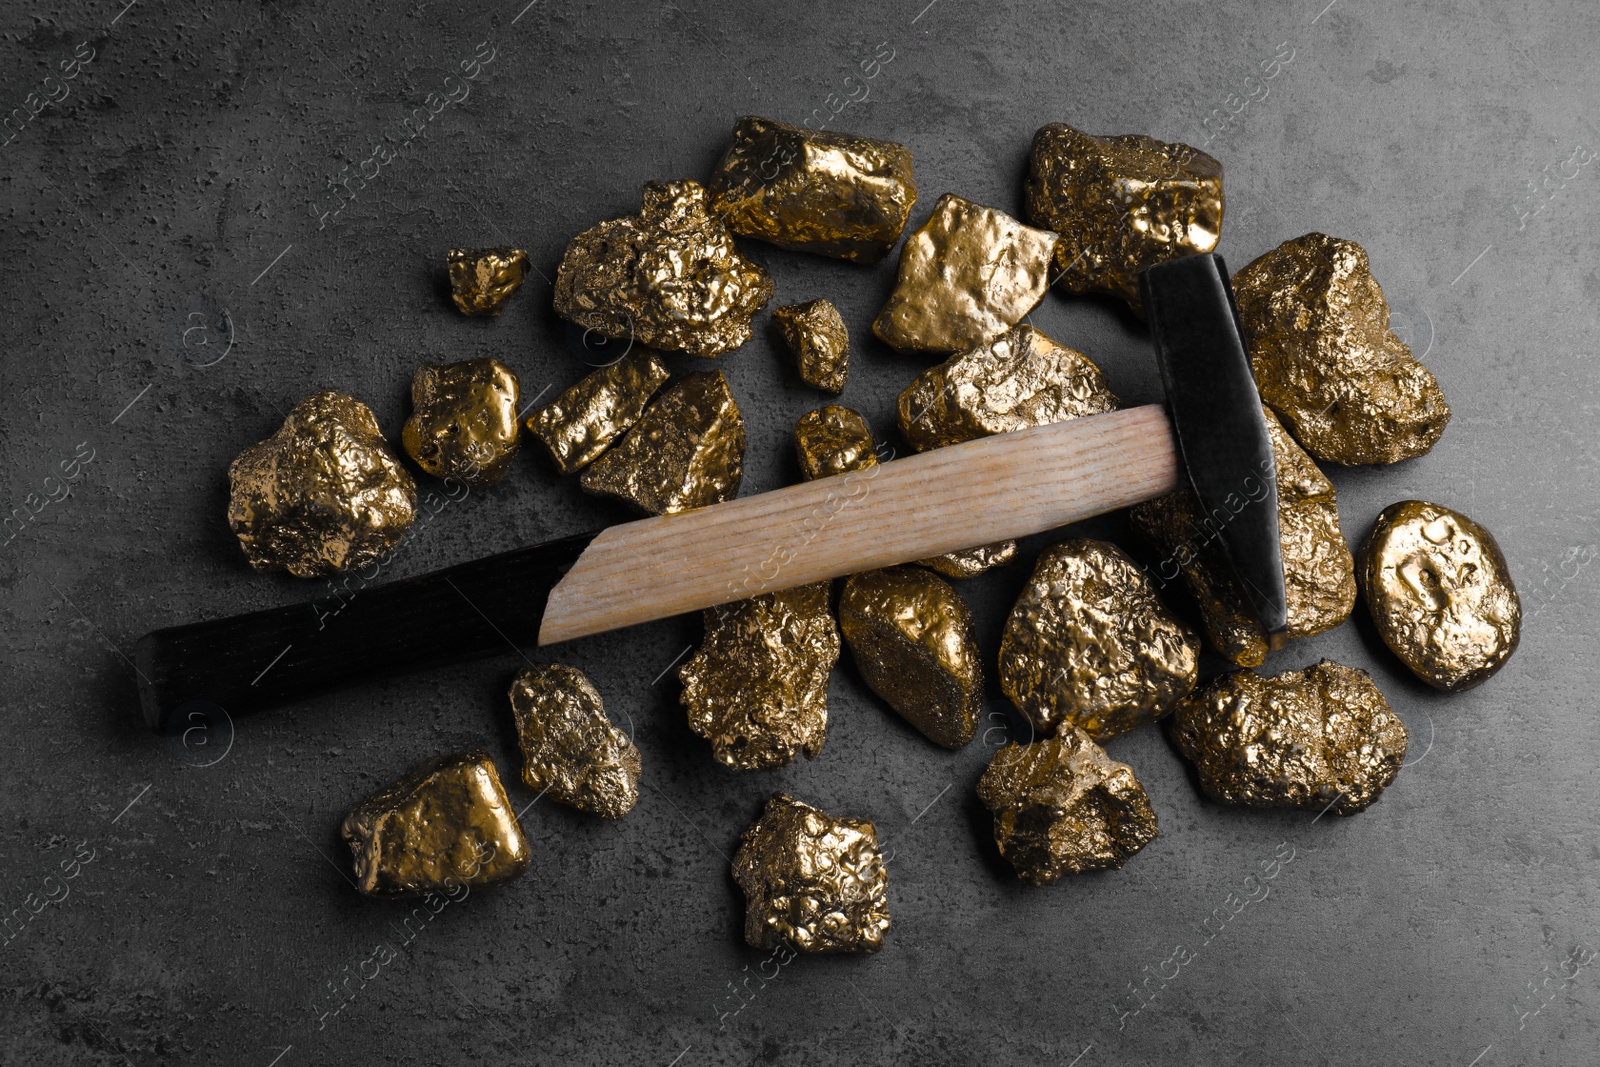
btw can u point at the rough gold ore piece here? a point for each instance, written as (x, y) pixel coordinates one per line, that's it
(445, 825)
(913, 640)
(582, 422)
(1322, 737)
(1440, 594)
(483, 279)
(321, 495)
(569, 748)
(815, 191)
(464, 420)
(812, 881)
(833, 440)
(1325, 358)
(686, 451)
(757, 688)
(669, 277)
(1090, 645)
(969, 273)
(1318, 571)
(971, 562)
(1121, 204)
(816, 336)
(1062, 806)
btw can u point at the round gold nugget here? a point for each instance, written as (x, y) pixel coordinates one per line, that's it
(464, 420)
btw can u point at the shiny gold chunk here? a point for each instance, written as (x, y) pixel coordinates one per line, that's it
(570, 750)
(1090, 645)
(833, 440)
(321, 495)
(1318, 571)
(446, 825)
(582, 422)
(483, 279)
(1121, 204)
(814, 191)
(1322, 737)
(1325, 358)
(968, 274)
(914, 642)
(1062, 806)
(971, 562)
(1440, 594)
(816, 336)
(464, 420)
(686, 451)
(669, 277)
(757, 688)
(812, 881)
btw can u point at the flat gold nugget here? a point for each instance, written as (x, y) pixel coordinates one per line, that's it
(570, 750)
(819, 342)
(483, 279)
(582, 422)
(971, 562)
(833, 440)
(464, 420)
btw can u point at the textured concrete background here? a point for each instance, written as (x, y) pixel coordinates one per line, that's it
(171, 288)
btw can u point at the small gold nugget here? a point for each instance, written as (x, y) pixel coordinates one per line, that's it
(1322, 737)
(1062, 806)
(833, 440)
(913, 639)
(971, 562)
(483, 279)
(1440, 594)
(445, 825)
(1121, 205)
(323, 494)
(686, 451)
(829, 193)
(968, 274)
(1325, 358)
(1090, 645)
(816, 336)
(812, 881)
(582, 422)
(464, 420)
(669, 277)
(569, 748)
(757, 689)
(1318, 571)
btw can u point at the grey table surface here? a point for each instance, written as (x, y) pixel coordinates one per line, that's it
(175, 279)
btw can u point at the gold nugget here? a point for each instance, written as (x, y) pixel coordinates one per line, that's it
(812, 881)
(1121, 205)
(968, 274)
(445, 825)
(1440, 594)
(582, 422)
(1062, 806)
(971, 562)
(686, 451)
(464, 420)
(1319, 738)
(1090, 645)
(569, 748)
(483, 279)
(1325, 358)
(814, 191)
(669, 277)
(833, 440)
(816, 336)
(324, 494)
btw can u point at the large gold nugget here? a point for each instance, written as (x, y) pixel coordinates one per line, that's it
(1318, 571)
(971, 562)
(1322, 737)
(445, 825)
(1121, 205)
(464, 420)
(913, 639)
(1090, 645)
(569, 748)
(1062, 806)
(757, 689)
(686, 451)
(968, 274)
(1325, 358)
(669, 277)
(812, 881)
(816, 336)
(582, 422)
(1440, 594)
(833, 440)
(483, 279)
(324, 494)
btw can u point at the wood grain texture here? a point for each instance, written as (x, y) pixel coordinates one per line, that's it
(1009, 485)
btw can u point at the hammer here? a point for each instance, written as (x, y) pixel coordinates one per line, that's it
(1210, 434)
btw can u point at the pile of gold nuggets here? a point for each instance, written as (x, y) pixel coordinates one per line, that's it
(1090, 650)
